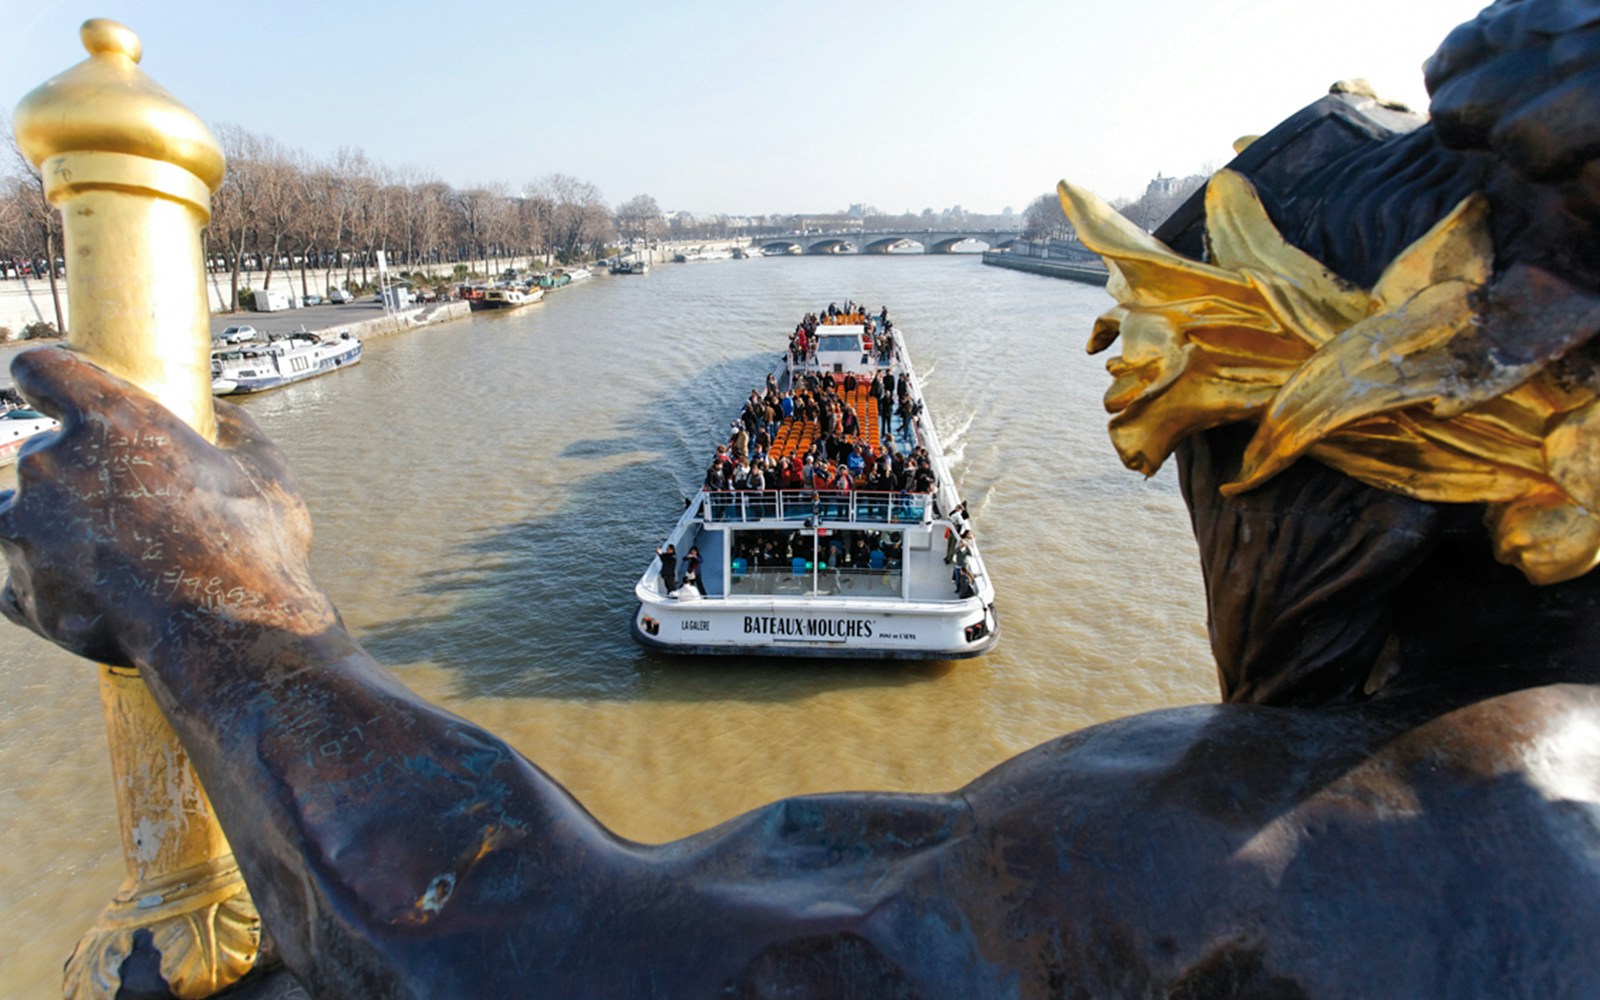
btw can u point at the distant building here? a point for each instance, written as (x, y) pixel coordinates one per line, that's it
(1164, 187)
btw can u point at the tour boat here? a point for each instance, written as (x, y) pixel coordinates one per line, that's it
(17, 425)
(505, 297)
(820, 572)
(630, 267)
(253, 367)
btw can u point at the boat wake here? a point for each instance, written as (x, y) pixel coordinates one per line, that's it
(955, 442)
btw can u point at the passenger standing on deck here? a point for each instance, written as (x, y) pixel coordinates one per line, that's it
(691, 570)
(906, 412)
(669, 568)
(850, 425)
(756, 481)
(774, 413)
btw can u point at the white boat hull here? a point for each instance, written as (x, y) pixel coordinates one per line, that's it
(899, 602)
(268, 371)
(817, 627)
(15, 430)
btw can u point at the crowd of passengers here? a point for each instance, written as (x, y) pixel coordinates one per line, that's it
(839, 457)
(840, 550)
(875, 337)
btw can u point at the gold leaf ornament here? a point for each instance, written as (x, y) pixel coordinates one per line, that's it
(1395, 386)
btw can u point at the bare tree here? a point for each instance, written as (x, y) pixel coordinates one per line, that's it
(276, 200)
(640, 218)
(579, 216)
(367, 220)
(471, 210)
(530, 219)
(427, 219)
(310, 231)
(38, 224)
(498, 220)
(1043, 219)
(234, 205)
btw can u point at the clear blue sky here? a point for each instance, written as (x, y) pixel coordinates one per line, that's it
(757, 107)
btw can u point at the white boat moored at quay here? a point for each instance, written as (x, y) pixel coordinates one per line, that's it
(881, 565)
(253, 367)
(505, 297)
(17, 425)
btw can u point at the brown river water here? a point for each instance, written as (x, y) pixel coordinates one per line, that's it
(485, 494)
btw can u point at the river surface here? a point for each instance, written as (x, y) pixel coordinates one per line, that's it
(485, 494)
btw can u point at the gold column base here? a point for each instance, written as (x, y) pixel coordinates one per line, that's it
(201, 920)
(182, 883)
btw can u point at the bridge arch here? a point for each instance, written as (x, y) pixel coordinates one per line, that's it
(890, 244)
(948, 245)
(836, 244)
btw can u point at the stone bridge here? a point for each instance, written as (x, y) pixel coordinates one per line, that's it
(885, 240)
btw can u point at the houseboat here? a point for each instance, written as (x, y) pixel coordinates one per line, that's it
(257, 366)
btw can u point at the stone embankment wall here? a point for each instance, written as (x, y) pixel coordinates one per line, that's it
(401, 320)
(27, 300)
(1089, 274)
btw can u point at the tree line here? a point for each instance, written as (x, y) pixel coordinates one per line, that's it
(279, 209)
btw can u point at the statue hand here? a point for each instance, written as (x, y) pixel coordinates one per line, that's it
(127, 529)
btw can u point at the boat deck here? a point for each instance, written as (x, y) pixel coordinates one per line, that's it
(795, 435)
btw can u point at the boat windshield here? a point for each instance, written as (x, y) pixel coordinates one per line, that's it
(835, 342)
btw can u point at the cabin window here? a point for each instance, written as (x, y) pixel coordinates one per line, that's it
(836, 342)
(815, 562)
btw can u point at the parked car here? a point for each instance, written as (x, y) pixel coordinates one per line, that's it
(311, 300)
(238, 334)
(339, 296)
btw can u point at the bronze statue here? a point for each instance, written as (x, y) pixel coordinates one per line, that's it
(1400, 798)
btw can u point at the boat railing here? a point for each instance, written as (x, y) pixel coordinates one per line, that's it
(816, 506)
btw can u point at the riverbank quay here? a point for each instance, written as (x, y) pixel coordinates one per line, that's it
(26, 300)
(364, 321)
(1072, 270)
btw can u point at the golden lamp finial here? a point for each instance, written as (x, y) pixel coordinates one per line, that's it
(132, 171)
(107, 103)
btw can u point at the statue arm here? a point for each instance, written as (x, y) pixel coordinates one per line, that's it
(349, 800)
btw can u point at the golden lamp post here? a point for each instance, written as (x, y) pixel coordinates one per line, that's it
(132, 172)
